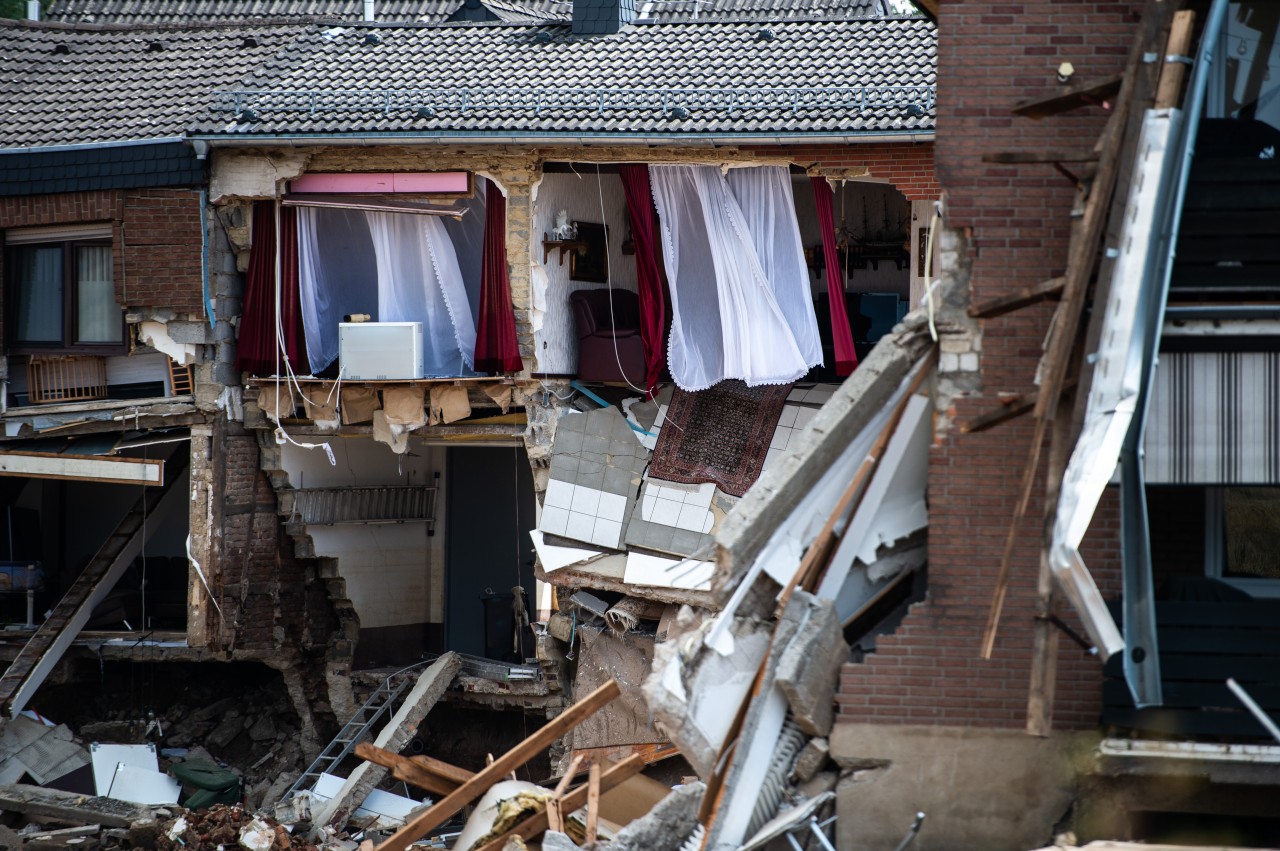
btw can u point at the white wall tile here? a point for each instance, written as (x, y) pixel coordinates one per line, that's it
(559, 494)
(607, 533)
(554, 520)
(612, 507)
(691, 518)
(581, 526)
(585, 500)
(665, 512)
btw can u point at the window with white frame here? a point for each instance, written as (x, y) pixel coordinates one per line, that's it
(60, 291)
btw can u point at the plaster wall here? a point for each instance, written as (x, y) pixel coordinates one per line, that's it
(999, 790)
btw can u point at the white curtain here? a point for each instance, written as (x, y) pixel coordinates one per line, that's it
(739, 287)
(399, 267)
(98, 315)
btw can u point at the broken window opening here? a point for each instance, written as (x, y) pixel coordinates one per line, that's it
(582, 334)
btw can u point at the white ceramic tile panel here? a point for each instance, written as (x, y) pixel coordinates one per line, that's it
(585, 500)
(607, 533)
(663, 511)
(555, 521)
(803, 416)
(612, 507)
(581, 526)
(788, 416)
(559, 494)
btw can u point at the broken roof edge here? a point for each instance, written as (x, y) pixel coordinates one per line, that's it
(771, 500)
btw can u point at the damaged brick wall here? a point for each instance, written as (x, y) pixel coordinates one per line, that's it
(155, 239)
(269, 598)
(1012, 223)
(909, 167)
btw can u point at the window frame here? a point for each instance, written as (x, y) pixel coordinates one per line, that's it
(70, 301)
(1215, 546)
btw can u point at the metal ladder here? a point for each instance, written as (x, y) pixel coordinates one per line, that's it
(352, 733)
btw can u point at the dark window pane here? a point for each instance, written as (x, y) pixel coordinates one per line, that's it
(1252, 525)
(38, 312)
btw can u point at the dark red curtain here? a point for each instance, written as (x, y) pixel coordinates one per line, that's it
(842, 337)
(496, 346)
(256, 347)
(644, 234)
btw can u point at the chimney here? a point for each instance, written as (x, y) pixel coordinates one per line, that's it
(33, 10)
(369, 14)
(602, 17)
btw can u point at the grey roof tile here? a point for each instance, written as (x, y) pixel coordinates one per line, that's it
(108, 85)
(863, 75)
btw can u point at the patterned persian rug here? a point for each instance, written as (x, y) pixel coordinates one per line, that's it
(718, 435)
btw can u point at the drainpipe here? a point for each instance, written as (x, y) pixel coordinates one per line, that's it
(368, 11)
(33, 10)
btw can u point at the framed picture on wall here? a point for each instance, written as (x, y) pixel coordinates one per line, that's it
(591, 261)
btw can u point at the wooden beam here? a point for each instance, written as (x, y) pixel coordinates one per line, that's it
(443, 769)
(1009, 408)
(1082, 155)
(1018, 299)
(1169, 92)
(410, 771)
(593, 802)
(1071, 97)
(610, 778)
(514, 758)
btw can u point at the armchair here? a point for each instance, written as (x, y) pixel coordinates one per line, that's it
(604, 345)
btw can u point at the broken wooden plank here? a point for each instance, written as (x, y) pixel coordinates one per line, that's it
(407, 769)
(1083, 155)
(610, 778)
(555, 816)
(650, 753)
(517, 756)
(1169, 91)
(442, 769)
(593, 802)
(1018, 299)
(69, 807)
(1067, 98)
(427, 691)
(1008, 409)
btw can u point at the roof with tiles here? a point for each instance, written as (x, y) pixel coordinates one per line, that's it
(787, 78)
(188, 12)
(75, 86)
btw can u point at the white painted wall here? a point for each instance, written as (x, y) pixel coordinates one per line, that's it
(557, 341)
(392, 571)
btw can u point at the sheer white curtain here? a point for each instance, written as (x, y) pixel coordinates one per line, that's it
(739, 289)
(399, 267)
(98, 315)
(419, 280)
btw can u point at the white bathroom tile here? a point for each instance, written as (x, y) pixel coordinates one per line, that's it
(708, 520)
(554, 520)
(797, 394)
(612, 507)
(691, 518)
(581, 526)
(606, 533)
(781, 435)
(702, 496)
(665, 512)
(585, 500)
(788, 417)
(646, 506)
(804, 415)
(559, 494)
(770, 457)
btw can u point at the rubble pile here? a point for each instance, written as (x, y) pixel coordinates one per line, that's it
(221, 827)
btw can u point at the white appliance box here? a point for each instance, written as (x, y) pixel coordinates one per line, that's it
(380, 351)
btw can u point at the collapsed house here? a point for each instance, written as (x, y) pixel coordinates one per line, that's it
(440, 330)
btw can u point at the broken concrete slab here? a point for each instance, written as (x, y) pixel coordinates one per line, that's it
(39, 750)
(667, 825)
(812, 757)
(809, 667)
(35, 802)
(430, 687)
(84, 837)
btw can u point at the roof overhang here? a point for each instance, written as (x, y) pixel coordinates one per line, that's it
(491, 138)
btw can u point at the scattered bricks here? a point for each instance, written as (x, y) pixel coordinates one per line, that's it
(811, 759)
(810, 666)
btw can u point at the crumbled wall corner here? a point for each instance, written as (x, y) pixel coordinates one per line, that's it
(543, 410)
(959, 335)
(809, 668)
(254, 172)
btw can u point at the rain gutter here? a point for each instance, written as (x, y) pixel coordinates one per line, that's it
(485, 137)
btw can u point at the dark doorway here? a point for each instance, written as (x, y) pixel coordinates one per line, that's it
(489, 513)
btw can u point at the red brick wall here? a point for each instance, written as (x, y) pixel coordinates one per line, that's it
(271, 601)
(1016, 222)
(155, 235)
(907, 165)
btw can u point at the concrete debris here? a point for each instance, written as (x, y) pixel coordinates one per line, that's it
(224, 827)
(554, 840)
(666, 826)
(811, 759)
(823, 781)
(43, 752)
(810, 665)
(602, 656)
(38, 803)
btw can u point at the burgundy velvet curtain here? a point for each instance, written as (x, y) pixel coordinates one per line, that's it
(642, 215)
(496, 346)
(256, 347)
(846, 357)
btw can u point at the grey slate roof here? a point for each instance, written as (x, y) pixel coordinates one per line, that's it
(70, 86)
(672, 79)
(189, 12)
